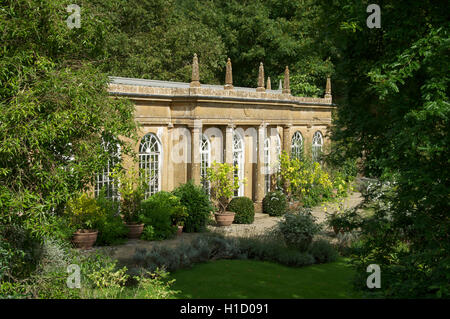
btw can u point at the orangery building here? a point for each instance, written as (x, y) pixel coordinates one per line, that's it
(184, 127)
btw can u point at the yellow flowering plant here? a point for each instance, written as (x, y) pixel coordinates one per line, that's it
(84, 212)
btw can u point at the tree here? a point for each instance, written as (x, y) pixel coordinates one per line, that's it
(55, 110)
(391, 86)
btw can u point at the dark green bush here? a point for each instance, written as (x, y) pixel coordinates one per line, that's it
(346, 221)
(111, 230)
(198, 205)
(275, 203)
(20, 252)
(323, 251)
(298, 229)
(244, 210)
(157, 211)
(272, 249)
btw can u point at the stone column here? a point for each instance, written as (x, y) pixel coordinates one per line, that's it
(287, 138)
(228, 158)
(259, 191)
(196, 130)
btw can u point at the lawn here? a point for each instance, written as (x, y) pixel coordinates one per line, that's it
(260, 279)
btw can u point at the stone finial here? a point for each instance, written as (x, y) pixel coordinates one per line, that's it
(260, 87)
(287, 89)
(328, 88)
(195, 81)
(229, 76)
(269, 85)
(280, 86)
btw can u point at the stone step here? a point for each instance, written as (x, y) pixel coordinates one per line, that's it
(261, 216)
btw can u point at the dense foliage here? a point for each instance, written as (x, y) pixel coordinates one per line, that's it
(392, 88)
(157, 213)
(298, 229)
(244, 210)
(198, 206)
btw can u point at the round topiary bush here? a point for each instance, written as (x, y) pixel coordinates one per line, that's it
(274, 203)
(243, 209)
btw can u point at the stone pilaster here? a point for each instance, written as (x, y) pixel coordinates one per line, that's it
(287, 138)
(229, 144)
(196, 130)
(259, 191)
(170, 166)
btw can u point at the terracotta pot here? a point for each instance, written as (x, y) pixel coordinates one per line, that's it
(224, 219)
(135, 230)
(179, 230)
(84, 238)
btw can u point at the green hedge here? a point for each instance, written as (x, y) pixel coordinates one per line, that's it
(275, 203)
(243, 209)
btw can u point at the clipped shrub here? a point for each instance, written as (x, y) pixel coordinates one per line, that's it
(274, 203)
(244, 210)
(158, 211)
(198, 206)
(298, 229)
(323, 251)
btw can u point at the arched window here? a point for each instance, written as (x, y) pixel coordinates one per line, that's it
(317, 143)
(205, 152)
(297, 145)
(104, 179)
(267, 165)
(150, 163)
(238, 160)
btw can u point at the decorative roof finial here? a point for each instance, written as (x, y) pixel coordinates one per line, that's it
(260, 87)
(269, 85)
(195, 81)
(287, 89)
(280, 86)
(328, 89)
(229, 76)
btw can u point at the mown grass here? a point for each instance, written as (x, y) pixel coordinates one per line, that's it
(260, 279)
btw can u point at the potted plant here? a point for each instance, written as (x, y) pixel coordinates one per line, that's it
(223, 184)
(84, 215)
(179, 215)
(132, 189)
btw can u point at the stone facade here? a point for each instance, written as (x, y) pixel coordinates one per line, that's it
(194, 124)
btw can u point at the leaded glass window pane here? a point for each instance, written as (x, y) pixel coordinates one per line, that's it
(297, 146)
(150, 163)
